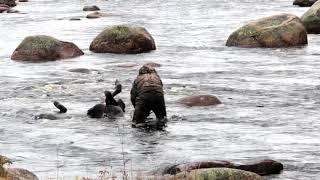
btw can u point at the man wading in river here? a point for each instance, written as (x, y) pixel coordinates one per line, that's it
(146, 96)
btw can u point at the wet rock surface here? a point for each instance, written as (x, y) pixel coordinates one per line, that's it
(311, 19)
(91, 8)
(304, 3)
(123, 39)
(284, 30)
(200, 100)
(44, 48)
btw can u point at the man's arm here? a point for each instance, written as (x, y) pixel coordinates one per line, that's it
(133, 93)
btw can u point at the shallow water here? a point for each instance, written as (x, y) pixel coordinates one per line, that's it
(270, 96)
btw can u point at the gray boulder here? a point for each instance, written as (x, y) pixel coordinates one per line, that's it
(311, 19)
(44, 48)
(284, 30)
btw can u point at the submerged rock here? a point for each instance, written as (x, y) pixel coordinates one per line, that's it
(153, 64)
(80, 70)
(75, 19)
(96, 15)
(304, 3)
(123, 39)
(114, 111)
(97, 111)
(311, 19)
(200, 100)
(44, 48)
(91, 8)
(46, 116)
(10, 3)
(284, 30)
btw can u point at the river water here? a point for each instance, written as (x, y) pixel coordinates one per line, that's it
(270, 97)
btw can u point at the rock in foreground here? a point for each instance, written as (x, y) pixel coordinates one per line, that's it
(264, 167)
(304, 3)
(200, 100)
(44, 48)
(123, 39)
(276, 31)
(217, 174)
(14, 173)
(311, 19)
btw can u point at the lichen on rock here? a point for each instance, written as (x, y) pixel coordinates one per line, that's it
(123, 39)
(118, 33)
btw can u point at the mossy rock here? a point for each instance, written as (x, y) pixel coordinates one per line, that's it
(284, 30)
(10, 3)
(217, 174)
(44, 48)
(123, 39)
(311, 19)
(304, 3)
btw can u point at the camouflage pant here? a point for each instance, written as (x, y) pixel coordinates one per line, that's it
(149, 102)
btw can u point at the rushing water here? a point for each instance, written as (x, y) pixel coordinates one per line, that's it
(271, 97)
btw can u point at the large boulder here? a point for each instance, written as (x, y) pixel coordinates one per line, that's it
(304, 3)
(10, 3)
(264, 167)
(44, 48)
(311, 19)
(123, 39)
(217, 174)
(284, 30)
(200, 100)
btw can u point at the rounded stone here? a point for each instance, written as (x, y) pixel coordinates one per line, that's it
(123, 39)
(44, 48)
(284, 30)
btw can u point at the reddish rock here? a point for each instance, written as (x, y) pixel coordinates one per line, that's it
(44, 48)
(200, 100)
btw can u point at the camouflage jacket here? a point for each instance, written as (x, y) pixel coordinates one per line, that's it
(148, 81)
